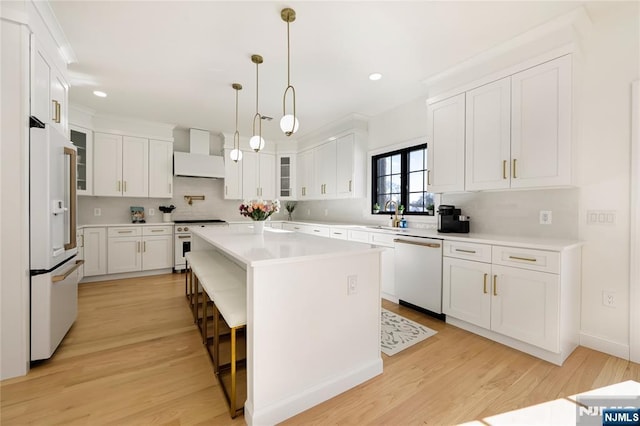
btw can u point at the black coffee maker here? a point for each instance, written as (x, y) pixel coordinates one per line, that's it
(450, 219)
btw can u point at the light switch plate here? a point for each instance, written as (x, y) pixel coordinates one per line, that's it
(545, 217)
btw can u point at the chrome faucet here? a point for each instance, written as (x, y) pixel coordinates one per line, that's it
(395, 219)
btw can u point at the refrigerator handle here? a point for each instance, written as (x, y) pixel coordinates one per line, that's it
(71, 217)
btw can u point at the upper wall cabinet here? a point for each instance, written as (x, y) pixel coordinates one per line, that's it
(488, 136)
(541, 125)
(512, 133)
(121, 166)
(160, 169)
(258, 175)
(286, 176)
(334, 169)
(445, 132)
(232, 177)
(49, 91)
(83, 140)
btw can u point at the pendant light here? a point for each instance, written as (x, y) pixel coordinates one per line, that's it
(289, 122)
(236, 154)
(257, 142)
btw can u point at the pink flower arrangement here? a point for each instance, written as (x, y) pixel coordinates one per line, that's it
(258, 209)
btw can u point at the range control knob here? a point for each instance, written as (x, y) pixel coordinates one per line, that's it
(179, 229)
(186, 228)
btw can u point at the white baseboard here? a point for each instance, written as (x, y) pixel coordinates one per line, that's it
(389, 297)
(603, 345)
(285, 409)
(95, 278)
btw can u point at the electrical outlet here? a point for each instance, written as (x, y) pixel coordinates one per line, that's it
(545, 217)
(97, 212)
(352, 284)
(152, 212)
(326, 212)
(609, 298)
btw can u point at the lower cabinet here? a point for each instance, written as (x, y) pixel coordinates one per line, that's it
(94, 251)
(139, 248)
(515, 292)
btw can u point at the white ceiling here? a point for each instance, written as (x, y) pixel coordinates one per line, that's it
(174, 62)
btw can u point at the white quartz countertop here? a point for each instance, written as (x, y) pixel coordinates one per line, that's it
(276, 245)
(551, 244)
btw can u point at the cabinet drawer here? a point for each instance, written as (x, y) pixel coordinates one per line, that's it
(470, 251)
(339, 233)
(319, 231)
(382, 239)
(124, 231)
(356, 235)
(535, 260)
(157, 230)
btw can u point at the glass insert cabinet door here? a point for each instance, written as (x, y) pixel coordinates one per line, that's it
(83, 140)
(285, 176)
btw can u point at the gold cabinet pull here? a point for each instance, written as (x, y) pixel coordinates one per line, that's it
(528, 259)
(485, 284)
(118, 185)
(138, 246)
(125, 232)
(428, 177)
(226, 189)
(157, 230)
(495, 285)
(125, 186)
(466, 251)
(514, 168)
(504, 169)
(144, 246)
(56, 111)
(349, 185)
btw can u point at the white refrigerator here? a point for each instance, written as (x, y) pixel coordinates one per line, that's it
(52, 229)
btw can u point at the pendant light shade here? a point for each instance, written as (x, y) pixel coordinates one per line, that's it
(289, 122)
(236, 154)
(256, 142)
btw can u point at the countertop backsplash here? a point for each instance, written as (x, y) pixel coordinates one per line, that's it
(214, 206)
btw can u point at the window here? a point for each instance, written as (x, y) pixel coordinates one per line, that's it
(401, 176)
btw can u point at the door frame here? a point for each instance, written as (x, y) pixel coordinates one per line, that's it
(634, 249)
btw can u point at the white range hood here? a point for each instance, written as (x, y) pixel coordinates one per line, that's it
(197, 162)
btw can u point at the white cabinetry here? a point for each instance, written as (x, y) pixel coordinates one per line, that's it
(83, 140)
(305, 175)
(446, 134)
(258, 176)
(49, 90)
(350, 167)
(520, 296)
(121, 166)
(541, 125)
(518, 129)
(139, 248)
(232, 177)
(95, 251)
(488, 136)
(160, 169)
(286, 173)
(325, 170)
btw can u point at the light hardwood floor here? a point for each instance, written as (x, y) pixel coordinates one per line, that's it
(134, 357)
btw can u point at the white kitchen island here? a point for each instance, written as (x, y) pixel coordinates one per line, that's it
(310, 336)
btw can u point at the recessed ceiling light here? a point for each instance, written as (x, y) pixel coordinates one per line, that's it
(99, 94)
(375, 76)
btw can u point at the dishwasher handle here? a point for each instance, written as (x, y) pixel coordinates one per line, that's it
(416, 243)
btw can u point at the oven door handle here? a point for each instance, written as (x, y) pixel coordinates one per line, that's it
(183, 237)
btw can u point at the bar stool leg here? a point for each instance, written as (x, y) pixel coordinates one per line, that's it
(232, 397)
(216, 340)
(205, 301)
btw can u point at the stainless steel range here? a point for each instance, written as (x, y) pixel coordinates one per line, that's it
(182, 232)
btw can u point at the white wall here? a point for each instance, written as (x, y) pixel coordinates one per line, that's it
(611, 63)
(14, 208)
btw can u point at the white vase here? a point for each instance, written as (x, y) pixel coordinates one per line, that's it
(258, 226)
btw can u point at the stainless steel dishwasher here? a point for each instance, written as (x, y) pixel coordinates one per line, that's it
(418, 263)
